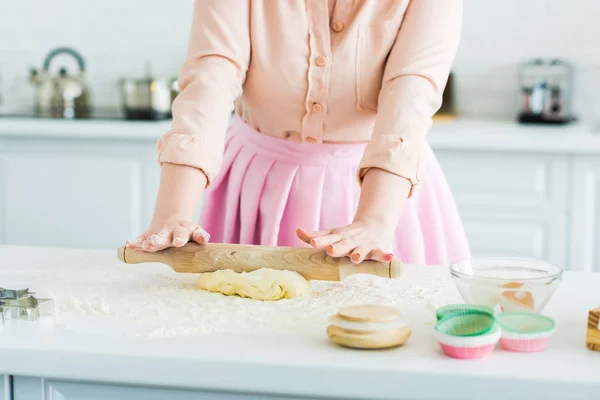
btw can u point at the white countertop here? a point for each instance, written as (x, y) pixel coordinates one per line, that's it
(296, 363)
(461, 134)
(46, 128)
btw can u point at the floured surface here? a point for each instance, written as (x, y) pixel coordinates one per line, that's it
(105, 297)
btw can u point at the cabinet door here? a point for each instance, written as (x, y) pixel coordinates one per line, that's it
(493, 234)
(585, 228)
(509, 181)
(75, 194)
(5, 389)
(27, 388)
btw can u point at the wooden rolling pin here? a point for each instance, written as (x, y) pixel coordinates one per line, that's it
(308, 262)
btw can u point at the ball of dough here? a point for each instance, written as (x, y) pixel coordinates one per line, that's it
(261, 284)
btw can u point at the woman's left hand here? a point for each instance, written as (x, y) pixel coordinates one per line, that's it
(361, 240)
(371, 234)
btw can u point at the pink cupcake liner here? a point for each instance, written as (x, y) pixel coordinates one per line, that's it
(468, 347)
(525, 346)
(467, 353)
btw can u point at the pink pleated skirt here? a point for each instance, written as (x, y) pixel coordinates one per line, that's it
(268, 187)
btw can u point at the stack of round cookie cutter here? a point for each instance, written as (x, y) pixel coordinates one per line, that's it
(368, 326)
(472, 331)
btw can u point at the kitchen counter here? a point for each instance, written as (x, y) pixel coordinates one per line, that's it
(461, 134)
(299, 363)
(46, 128)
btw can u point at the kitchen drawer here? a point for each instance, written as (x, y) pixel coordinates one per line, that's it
(30, 388)
(507, 180)
(541, 237)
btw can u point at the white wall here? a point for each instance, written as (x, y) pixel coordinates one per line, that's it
(117, 36)
(499, 34)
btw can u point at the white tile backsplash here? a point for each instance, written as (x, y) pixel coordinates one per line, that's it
(117, 37)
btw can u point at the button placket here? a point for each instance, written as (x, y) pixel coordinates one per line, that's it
(318, 71)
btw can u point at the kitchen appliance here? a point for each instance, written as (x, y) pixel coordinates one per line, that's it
(61, 95)
(147, 98)
(508, 284)
(309, 262)
(545, 92)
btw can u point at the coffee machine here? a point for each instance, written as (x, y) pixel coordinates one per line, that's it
(545, 92)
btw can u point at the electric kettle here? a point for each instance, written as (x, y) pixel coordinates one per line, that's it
(61, 95)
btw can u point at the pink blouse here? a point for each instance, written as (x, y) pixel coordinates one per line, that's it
(372, 71)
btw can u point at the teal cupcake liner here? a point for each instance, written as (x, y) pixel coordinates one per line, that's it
(527, 324)
(468, 324)
(461, 309)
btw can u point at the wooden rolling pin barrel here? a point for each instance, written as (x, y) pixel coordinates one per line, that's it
(312, 264)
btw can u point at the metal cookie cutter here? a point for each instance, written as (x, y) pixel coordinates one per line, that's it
(21, 304)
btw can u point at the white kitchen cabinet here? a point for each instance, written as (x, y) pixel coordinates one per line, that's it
(5, 388)
(516, 235)
(29, 388)
(90, 194)
(585, 229)
(506, 180)
(512, 204)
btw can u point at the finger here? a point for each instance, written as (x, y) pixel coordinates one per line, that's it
(359, 254)
(380, 255)
(137, 242)
(148, 246)
(341, 248)
(200, 236)
(157, 241)
(327, 240)
(306, 237)
(180, 236)
(161, 238)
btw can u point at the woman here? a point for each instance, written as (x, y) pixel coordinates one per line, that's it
(333, 100)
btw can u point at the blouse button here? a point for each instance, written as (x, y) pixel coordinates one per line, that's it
(317, 108)
(337, 26)
(311, 140)
(321, 61)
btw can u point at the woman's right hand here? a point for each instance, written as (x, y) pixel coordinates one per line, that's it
(171, 233)
(178, 195)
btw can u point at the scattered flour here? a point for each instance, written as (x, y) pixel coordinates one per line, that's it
(151, 300)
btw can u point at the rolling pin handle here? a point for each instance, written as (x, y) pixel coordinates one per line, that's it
(395, 268)
(129, 255)
(121, 254)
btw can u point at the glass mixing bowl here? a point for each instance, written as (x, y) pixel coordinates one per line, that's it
(506, 284)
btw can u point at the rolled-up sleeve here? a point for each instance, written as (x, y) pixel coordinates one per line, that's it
(210, 81)
(414, 79)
